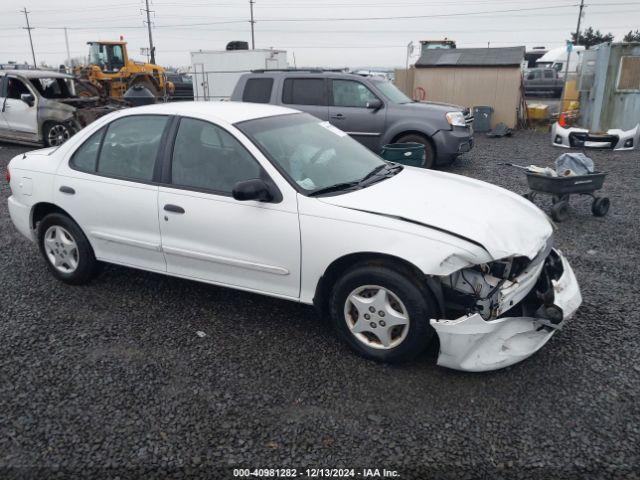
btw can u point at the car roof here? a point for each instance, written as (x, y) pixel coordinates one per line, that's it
(230, 112)
(35, 73)
(311, 73)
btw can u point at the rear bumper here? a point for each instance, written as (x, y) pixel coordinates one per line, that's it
(451, 143)
(21, 217)
(473, 344)
(614, 139)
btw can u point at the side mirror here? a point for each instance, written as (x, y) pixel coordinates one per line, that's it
(255, 189)
(375, 105)
(28, 99)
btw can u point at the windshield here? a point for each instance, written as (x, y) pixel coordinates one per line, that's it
(392, 92)
(54, 87)
(314, 154)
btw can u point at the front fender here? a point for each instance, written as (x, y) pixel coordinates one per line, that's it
(408, 125)
(52, 111)
(330, 232)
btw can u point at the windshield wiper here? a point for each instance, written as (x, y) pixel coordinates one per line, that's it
(374, 172)
(334, 188)
(383, 171)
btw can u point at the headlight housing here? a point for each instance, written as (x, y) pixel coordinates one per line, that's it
(456, 119)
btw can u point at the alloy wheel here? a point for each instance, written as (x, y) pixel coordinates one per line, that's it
(58, 134)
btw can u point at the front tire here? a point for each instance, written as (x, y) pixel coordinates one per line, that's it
(55, 134)
(382, 312)
(429, 151)
(66, 250)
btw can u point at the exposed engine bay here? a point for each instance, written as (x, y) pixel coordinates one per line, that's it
(505, 310)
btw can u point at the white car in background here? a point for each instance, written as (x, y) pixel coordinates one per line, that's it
(273, 201)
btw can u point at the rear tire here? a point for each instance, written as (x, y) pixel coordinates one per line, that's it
(382, 312)
(66, 250)
(429, 151)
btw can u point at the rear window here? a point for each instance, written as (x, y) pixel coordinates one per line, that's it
(257, 90)
(304, 91)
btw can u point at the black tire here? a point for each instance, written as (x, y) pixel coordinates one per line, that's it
(415, 297)
(600, 206)
(560, 211)
(87, 265)
(529, 196)
(429, 151)
(55, 134)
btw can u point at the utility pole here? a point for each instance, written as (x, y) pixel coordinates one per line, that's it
(152, 49)
(252, 21)
(66, 41)
(28, 28)
(579, 20)
(566, 67)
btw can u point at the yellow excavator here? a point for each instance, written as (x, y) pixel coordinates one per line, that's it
(111, 73)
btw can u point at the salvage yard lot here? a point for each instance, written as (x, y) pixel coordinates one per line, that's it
(112, 377)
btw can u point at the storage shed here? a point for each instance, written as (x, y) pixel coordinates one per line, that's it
(469, 77)
(609, 87)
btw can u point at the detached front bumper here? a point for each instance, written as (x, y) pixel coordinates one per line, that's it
(614, 139)
(474, 344)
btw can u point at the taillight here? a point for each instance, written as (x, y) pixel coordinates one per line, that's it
(7, 175)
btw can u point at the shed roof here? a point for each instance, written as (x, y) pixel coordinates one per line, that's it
(471, 57)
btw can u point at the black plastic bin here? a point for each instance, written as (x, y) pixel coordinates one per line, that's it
(411, 154)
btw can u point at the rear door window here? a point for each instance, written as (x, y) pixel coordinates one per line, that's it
(304, 91)
(130, 147)
(85, 158)
(257, 90)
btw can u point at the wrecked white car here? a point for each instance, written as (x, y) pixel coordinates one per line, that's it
(614, 139)
(42, 107)
(273, 201)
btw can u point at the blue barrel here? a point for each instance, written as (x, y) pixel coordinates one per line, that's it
(411, 154)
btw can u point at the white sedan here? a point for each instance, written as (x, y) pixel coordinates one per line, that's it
(273, 201)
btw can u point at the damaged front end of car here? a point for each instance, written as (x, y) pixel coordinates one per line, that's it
(505, 310)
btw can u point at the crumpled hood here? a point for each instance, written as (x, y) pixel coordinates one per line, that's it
(502, 222)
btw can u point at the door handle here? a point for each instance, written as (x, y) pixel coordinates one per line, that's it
(173, 208)
(68, 190)
(338, 116)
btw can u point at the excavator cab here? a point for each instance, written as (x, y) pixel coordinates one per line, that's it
(109, 56)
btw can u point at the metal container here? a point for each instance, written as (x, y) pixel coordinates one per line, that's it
(482, 118)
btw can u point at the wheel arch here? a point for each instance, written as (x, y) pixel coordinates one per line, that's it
(397, 136)
(344, 263)
(42, 209)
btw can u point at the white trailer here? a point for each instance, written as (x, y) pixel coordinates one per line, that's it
(557, 58)
(215, 72)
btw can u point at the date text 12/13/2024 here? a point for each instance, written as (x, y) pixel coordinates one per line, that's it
(315, 473)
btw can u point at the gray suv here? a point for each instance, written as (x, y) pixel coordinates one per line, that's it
(370, 109)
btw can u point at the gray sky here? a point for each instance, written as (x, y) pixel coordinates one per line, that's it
(303, 28)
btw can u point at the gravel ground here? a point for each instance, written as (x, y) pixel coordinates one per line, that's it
(111, 379)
